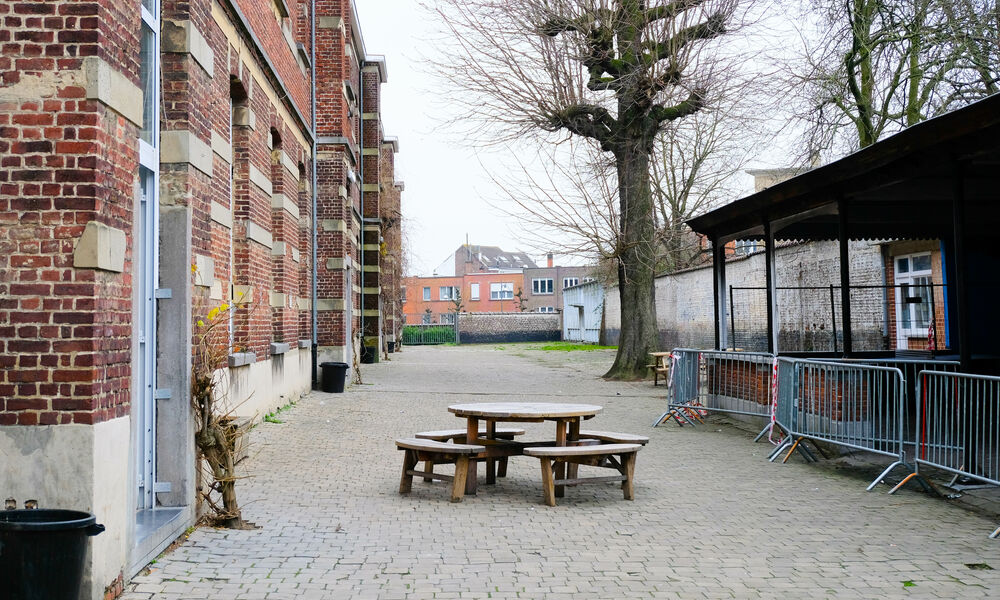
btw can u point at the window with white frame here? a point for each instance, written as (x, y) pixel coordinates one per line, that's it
(913, 295)
(146, 256)
(541, 286)
(426, 318)
(447, 292)
(402, 294)
(427, 294)
(448, 318)
(570, 281)
(474, 291)
(546, 309)
(588, 279)
(501, 291)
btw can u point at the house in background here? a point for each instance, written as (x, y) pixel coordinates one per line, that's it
(485, 259)
(543, 286)
(429, 300)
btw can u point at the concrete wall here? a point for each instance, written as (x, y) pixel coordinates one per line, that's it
(492, 328)
(76, 467)
(685, 303)
(259, 388)
(583, 311)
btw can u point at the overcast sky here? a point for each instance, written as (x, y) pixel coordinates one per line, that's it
(445, 182)
(447, 187)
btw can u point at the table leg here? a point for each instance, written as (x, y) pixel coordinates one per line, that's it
(574, 434)
(471, 437)
(560, 467)
(491, 464)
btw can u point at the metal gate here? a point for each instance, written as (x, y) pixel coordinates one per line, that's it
(423, 335)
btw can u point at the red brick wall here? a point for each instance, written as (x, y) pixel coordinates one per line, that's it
(65, 333)
(414, 307)
(268, 30)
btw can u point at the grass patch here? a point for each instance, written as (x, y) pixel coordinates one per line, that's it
(572, 347)
(272, 417)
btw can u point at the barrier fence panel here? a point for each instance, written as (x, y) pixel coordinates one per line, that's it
(850, 405)
(727, 382)
(910, 368)
(958, 425)
(682, 387)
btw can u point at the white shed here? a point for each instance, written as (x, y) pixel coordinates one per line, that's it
(583, 308)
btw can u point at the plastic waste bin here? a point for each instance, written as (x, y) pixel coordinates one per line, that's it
(42, 552)
(334, 374)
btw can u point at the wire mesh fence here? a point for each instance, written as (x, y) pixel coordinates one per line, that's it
(811, 318)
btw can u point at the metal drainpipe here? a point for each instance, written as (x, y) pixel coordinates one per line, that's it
(315, 196)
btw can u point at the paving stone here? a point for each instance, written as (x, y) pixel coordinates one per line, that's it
(711, 517)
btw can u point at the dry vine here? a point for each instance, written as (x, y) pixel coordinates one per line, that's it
(217, 433)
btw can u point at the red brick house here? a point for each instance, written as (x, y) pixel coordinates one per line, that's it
(157, 161)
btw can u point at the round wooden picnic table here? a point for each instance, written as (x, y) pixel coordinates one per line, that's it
(566, 416)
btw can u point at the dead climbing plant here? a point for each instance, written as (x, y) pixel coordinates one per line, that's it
(217, 435)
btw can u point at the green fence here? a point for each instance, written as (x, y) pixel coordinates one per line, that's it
(417, 335)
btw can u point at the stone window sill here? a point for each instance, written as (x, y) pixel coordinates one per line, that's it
(242, 359)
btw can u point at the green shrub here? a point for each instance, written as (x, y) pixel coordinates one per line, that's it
(424, 334)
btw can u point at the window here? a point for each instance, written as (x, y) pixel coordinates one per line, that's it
(427, 294)
(588, 279)
(426, 318)
(474, 291)
(448, 319)
(745, 247)
(501, 291)
(546, 309)
(402, 294)
(447, 292)
(541, 286)
(571, 281)
(914, 294)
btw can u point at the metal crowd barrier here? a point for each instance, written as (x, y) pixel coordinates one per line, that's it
(701, 381)
(958, 425)
(851, 405)
(909, 367)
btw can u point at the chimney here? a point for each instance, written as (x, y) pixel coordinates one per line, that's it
(549, 258)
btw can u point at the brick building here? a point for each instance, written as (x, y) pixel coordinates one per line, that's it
(544, 285)
(430, 299)
(157, 161)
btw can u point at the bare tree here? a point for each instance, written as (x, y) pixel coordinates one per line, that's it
(879, 66)
(696, 165)
(612, 71)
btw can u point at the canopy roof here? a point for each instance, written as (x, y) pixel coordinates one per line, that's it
(899, 188)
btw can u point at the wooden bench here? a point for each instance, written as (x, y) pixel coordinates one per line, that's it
(458, 436)
(434, 452)
(612, 437)
(620, 457)
(659, 370)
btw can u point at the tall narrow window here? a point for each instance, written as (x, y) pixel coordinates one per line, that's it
(146, 258)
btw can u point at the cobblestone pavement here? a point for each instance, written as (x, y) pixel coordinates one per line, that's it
(711, 517)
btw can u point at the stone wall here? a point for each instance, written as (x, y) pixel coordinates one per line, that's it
(495, 328)
(685, 302)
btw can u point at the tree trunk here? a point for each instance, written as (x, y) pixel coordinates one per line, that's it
(637, 263)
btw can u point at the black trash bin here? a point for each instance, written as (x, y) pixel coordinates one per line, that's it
(334, 374)
(42, 553)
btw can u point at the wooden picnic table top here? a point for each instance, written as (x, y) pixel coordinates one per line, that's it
(524, 410)
(659, 354)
